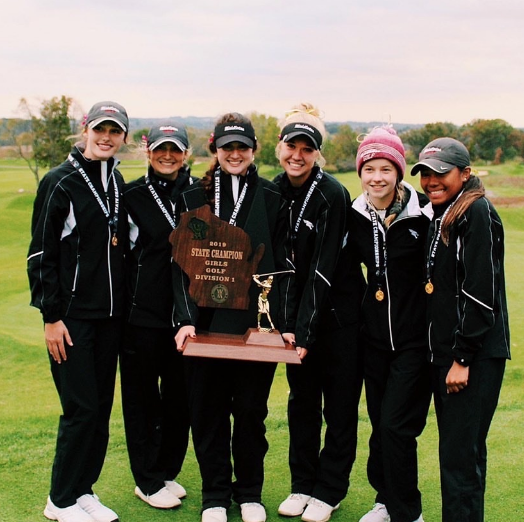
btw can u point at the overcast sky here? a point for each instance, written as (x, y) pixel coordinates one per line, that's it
(408, 61)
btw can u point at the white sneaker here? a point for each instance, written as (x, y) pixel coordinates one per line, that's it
(72, 513)
(91, 504)
(318, 511)
(177, 489)
(214, 514)
(379, 513)
(294, 505)
(162, 499)
(253, 512)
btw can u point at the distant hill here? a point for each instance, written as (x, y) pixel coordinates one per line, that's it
(207, 123)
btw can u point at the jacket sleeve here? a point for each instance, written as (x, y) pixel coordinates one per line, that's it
(331, 231)
(50, 211)
(480, 245)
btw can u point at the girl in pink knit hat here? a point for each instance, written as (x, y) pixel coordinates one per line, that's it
(388, 233)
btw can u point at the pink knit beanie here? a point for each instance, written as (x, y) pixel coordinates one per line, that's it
(382, 142)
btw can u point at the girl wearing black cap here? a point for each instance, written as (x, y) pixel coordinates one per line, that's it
(467, 319)
(76, 273)
(321, 320)
(388, 232)
(221, 388)
(153, 390)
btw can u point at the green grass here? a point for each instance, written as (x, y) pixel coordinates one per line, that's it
(29, 407)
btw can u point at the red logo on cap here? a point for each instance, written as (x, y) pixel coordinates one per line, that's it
(109, 108)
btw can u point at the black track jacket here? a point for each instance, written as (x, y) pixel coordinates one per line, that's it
(150, 299)
(399, 321)
(74, 271)
(467, 312)
(325, 292)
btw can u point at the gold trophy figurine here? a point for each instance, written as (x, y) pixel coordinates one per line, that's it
(263, 301)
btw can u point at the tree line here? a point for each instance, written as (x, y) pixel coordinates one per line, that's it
(43, 137)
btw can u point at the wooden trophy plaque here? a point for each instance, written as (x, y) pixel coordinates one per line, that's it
(219, 262)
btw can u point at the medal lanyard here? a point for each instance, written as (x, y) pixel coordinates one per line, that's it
(431, 258)
(113, 221)
(295, 228)
(161, 205)
(380, 269)
(318, 177)
(233, 218)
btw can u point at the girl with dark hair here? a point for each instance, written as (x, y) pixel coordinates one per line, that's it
(221, 388)
(467, 321)
(388, 233)
(153, 390)
(76, 273)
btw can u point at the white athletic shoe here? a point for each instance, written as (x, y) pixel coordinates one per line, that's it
(162, 499)
(318, 511)
(294, 505)
(379, 513)
(72, 513)
(214, 514)
(177, 489)
(253, 512)
(91, 504)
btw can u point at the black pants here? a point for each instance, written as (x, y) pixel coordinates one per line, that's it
(331, 373)
(398, 393)
(154, 404)
(463, 421)
(219, 389)
(85, 384)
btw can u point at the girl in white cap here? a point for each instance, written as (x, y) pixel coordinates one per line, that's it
(467, 321)
(76, 273)
(388, 233)
(154, 399)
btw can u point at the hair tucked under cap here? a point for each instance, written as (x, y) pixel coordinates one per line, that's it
(382, 142)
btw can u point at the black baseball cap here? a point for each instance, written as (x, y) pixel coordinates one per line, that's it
(168, 131)
(442, 155)
(230, 132)
(107, 111)
(291, 130)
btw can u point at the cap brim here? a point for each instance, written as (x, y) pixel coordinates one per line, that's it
(159, 142)
(231, 138)
(98, 121)
(294, 134)
(440, 167)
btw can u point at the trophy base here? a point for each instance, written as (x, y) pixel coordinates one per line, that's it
(252, 346)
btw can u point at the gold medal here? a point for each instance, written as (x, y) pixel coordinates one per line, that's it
(379, 295)
(114, 241)
(429, 287)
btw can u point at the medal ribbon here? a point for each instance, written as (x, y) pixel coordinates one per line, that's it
(436, 239)
(159, 202)
(112, 221)
(380, 269)
(236, 210)
(318, 177)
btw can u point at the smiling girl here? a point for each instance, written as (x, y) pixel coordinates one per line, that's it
(228, 398)
(76, 273)
(321, 314)
(153, 390)
(388, 233)
(467, 321)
